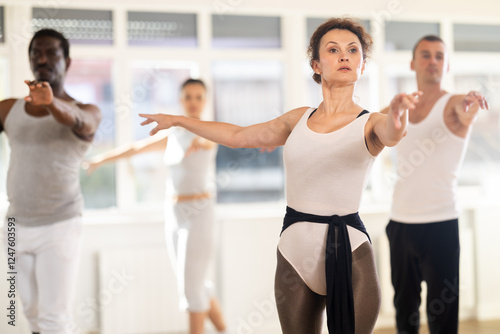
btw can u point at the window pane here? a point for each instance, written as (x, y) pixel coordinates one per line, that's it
(404, 35)
(162, 29)
(482, 161)
(89, 81)
(235, 31)
(315, 22)
(248, 92)
(2, 37)
(155, 89)
(469, 37)
(398, 85)
(78, 25)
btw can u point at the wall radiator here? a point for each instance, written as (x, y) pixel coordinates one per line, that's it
(138, 293)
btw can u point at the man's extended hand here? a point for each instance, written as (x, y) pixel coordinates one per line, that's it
(40, 93)
(473, 99)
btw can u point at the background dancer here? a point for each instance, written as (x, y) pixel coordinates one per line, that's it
(189, 218)
(423, 230)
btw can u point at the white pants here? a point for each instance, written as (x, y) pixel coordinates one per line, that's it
(190, 234)
(47, 259)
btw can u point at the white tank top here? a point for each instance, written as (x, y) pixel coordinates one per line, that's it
(191, 174)
(43, 181)
(325, 175)
(429, 158)
(326, 172)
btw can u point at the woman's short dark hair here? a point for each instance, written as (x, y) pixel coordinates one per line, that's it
(349, 24)
(193, 81)
(51, 33)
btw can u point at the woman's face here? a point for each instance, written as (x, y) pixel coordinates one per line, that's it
(340, 58)
(193, 100)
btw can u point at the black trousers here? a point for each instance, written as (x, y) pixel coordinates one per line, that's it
(425, 252)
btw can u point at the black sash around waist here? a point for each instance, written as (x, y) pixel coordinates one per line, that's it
(338, 264)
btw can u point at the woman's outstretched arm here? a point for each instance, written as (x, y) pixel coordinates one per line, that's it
(150, 144)
(387, 129)
(268, 134)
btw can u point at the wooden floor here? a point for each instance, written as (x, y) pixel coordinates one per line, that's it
(469, 327)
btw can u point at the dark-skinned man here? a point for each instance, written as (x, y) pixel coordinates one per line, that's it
(49, 133)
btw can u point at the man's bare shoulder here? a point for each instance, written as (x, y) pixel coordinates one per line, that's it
(456, 97)
(91, 109)
(5, 106)
(86, 106)
(452, 102)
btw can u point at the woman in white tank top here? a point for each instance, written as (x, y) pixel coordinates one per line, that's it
(328, 153)
(189, 207)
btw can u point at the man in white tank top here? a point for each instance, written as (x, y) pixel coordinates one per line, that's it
(423, 230)
(49, 133)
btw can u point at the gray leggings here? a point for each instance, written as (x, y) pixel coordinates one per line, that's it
(301, 310)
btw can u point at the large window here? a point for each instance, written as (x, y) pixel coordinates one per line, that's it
(90, 81)
(78, 25)
(403, 35)
(476, 37)
(162, 29)
(236, 31)
(245, 93)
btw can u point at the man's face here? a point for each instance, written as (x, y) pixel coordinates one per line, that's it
(430, 61)
(47, 60)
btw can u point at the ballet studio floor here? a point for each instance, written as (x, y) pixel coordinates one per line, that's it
(469, 327)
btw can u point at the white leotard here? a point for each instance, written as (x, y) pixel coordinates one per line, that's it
(325, 175)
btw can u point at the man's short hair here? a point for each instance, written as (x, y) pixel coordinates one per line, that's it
(51, 33)
(429, 38)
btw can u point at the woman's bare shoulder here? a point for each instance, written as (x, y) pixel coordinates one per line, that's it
(293, 116)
